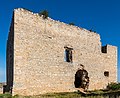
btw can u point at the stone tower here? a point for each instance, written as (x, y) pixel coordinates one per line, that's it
(44, 56)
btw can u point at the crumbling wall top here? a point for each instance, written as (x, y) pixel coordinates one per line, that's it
(57, 21)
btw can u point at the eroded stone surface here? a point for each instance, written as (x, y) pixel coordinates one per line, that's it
(38, 56)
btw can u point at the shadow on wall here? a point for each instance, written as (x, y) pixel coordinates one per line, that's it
(10, 59)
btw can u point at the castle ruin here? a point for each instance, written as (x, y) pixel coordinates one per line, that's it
(44, 55)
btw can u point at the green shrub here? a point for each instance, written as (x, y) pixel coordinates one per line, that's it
(5, 96)
(114, 86)
(71, 23)
(44, 13)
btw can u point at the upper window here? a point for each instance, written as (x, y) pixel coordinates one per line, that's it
(68, 54)
(104, 49)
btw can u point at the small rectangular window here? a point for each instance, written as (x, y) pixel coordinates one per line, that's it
(104, 49)
(106, 73)
(68, 54)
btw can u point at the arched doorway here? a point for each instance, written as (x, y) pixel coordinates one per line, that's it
(81, 79)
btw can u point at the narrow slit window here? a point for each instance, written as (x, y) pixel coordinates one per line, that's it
(68, 54)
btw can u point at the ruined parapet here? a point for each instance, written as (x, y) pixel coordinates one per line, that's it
(111, 58)
(52, 28)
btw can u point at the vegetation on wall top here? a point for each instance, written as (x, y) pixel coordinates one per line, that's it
(44, 13)
(71, 23)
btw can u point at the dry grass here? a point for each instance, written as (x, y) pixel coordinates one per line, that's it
(93, 94)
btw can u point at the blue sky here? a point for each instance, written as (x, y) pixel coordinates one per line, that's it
(102, 16)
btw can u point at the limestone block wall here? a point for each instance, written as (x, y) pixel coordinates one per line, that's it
(39, 63)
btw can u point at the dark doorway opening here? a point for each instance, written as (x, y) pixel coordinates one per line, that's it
(81, 79)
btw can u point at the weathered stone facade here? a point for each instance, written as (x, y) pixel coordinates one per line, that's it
(38, 63)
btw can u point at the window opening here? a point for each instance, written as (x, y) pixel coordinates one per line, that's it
(106, 73)
(104, 49)
(68, 54)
